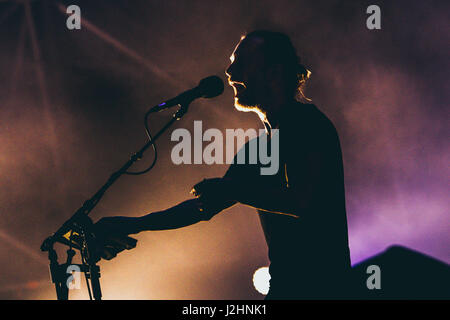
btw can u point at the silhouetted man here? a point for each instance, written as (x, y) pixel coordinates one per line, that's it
(301, 207)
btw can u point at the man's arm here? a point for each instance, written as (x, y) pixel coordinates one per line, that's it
(285, 201)
(297, 197)
(184, 214)
(112, 232)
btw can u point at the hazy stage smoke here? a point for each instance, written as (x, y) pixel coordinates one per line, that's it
(385, 90)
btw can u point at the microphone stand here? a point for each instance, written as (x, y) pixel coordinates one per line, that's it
(84, 228)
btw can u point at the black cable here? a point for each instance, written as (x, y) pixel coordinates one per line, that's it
(150, 138)
(86, 264)
(88, 286)
(85, 276)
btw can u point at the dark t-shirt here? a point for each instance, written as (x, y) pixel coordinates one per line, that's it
(309, 254)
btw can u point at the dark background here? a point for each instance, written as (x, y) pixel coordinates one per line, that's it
(72, 105)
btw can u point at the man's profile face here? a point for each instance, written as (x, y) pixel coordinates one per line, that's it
(247, 76)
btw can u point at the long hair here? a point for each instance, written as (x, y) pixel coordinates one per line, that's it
(278, 49)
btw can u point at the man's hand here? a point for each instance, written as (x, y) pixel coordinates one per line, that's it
(219, 188)
(112, 235)
(213, 195)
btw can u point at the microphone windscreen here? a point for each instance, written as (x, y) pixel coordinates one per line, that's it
(211, 87)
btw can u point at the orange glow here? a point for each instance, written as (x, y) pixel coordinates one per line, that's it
(32, 285)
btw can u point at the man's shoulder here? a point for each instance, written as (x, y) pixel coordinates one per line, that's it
(309, 117)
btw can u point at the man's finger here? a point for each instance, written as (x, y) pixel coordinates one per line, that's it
(198, 188)
(108, 253)
(125, 242)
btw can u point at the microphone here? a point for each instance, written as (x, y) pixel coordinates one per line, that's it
(209, 87)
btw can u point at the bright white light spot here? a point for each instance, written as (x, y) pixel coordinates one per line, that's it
(261, 279)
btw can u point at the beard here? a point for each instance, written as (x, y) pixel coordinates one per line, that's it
(244, 107)
(246, 101)
(243, 103)
(249, 96)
